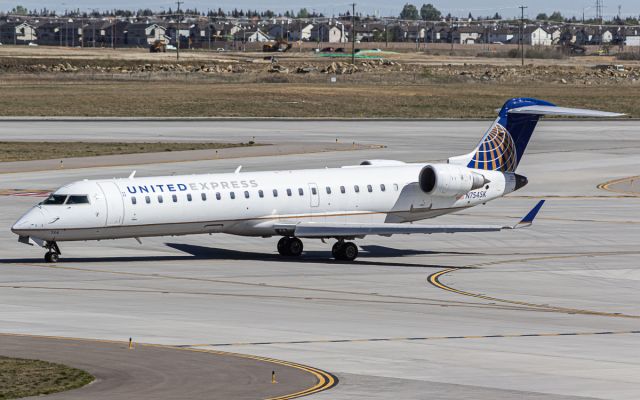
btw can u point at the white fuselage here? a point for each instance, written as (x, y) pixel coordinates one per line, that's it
(248, 204)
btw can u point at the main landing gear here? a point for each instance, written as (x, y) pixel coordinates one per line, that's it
(344, 251)
(341, 250)
(290, 246)
(53, 252)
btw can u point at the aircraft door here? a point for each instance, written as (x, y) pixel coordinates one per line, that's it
(114, 202)
(314, 195)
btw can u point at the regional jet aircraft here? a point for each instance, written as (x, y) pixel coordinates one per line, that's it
(377, 197)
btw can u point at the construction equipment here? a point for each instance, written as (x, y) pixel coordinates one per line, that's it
(279, 46)
(159, 46)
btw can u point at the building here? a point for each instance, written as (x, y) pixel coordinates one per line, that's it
(632, 37)
(252, 35)
(18, 32)
(536, 36)
(145, 34)
(329, 33)
(502, 35)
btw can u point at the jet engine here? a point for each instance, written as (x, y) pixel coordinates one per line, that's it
(449, 180)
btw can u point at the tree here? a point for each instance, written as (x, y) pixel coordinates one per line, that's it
(409, 11)
(429, 13)
(20, 10)
(497, 16)
(542, 17)
(303, 13)
(556, 16)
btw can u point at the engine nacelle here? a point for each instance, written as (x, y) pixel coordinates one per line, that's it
(382, 163)
(449, 180)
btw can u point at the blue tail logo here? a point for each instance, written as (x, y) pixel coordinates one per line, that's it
(496, 152)
(503, 146)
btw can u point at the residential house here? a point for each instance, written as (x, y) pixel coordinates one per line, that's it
(536, 36)
(50, 33)
(502, 35)
(251, 36)
(329, 33)
(145, 34)
(468, 34)
(632, 37)
(18, 32)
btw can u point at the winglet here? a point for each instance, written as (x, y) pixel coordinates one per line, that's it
(528, 219)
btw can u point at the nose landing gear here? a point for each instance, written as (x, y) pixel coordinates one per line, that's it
(53, 252)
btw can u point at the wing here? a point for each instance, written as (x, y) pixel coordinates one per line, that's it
(353, 230)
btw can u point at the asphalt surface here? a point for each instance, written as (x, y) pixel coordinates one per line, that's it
(155, 372)
(549, 312)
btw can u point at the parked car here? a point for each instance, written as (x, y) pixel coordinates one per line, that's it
(328, 50)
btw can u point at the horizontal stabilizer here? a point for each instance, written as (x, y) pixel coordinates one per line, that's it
(563, 111)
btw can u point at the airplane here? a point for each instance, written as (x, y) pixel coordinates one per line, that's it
(377, 197)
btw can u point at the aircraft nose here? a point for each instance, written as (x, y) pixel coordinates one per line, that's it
(521, 181)
(31, 220)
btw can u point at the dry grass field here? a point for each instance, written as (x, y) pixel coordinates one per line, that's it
(22, 378)
(32, 97)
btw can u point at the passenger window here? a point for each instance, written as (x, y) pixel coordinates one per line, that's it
(260, 193)
(314, 191)
(300, 192)
(369, 188)
(275, 193)
(147, 199)
(175, 198)
(232, 195)
(289, 192)
(189, 198)
(203, 196)
(328, 190)
(382, 187)
(76, 199)
(342, 190)
(160, 199)
(395, 187)
(133, 200)
(246, 194)
(356, 188)
(218, 196)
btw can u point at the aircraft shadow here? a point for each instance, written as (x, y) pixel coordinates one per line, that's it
(196, 252)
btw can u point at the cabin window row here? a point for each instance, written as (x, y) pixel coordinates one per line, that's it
(247, 195)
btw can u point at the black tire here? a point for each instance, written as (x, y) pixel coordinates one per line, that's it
(349, 251)
(295, 247)
(51, 257)
(336, 250)
(283, 246)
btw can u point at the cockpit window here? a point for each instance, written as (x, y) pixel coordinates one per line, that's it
(55, 199)
(78, 199)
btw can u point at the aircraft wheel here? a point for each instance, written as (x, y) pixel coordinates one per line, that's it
(336, 250)
(295, 247)
(283, 246)
(51, 257)
(349, 251)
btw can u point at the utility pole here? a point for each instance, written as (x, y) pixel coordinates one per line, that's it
(353, 33)
(522, 32)
(178, 31)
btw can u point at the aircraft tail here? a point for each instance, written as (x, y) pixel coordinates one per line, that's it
(504, 144)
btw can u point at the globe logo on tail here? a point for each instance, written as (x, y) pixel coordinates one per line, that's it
(496, 152)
